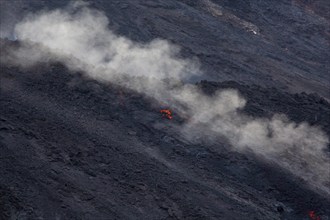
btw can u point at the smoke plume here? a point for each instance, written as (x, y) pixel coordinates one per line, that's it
(80, 38)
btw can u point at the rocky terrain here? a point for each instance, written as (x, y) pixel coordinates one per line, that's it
(284, 44)
(72, 147)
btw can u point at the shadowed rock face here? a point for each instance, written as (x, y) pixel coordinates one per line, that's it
(73, 148)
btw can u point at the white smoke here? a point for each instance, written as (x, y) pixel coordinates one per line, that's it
(10, 14)
(80, 38)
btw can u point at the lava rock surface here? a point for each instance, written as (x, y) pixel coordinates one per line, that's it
(282, 44)
(72, 148)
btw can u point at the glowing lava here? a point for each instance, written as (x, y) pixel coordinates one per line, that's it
(313, 216)
(166, 113)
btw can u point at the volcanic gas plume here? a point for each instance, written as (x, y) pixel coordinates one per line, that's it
(79, 37)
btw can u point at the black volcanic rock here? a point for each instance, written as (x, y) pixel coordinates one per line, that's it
(73, 148)
(282, 44)
(265, 102)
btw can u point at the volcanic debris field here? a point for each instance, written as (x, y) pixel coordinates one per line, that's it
(72, 147)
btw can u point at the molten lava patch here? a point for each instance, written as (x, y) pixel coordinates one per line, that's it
(313, 216)
(166, 113)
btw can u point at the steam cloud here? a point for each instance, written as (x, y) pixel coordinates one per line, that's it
(80, 38)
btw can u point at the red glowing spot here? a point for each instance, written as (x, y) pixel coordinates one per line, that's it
(166, 113)
(313, 216)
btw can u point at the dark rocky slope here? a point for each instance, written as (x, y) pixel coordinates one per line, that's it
(72, 148)
(282, 44)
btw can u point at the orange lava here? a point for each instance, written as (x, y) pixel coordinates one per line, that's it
(166, 113)
(313, 216)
